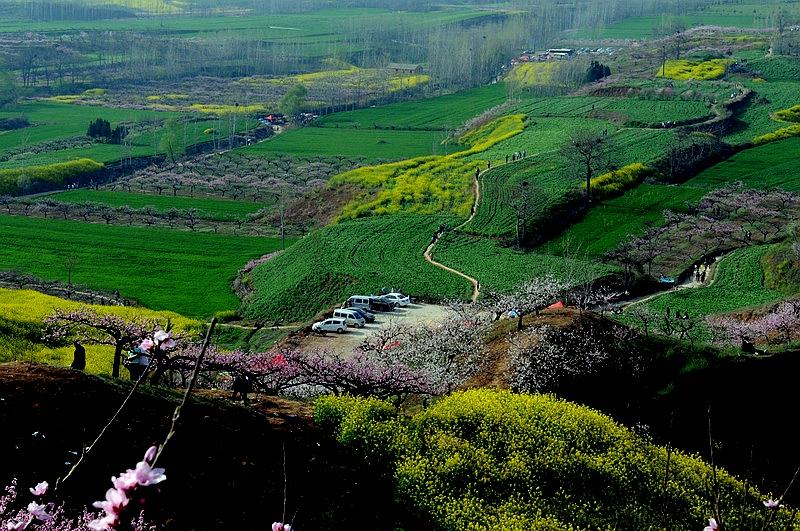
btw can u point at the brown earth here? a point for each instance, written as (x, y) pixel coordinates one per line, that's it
(225, 466)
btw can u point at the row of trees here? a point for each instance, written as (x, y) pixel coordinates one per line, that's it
(724, 219)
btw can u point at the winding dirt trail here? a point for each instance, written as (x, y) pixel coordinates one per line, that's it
(476, 285)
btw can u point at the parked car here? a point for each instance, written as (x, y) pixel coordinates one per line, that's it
(352, 318)
(330, 325)
(378, 304)
(368, 317)
(371, 304)
(398, 298)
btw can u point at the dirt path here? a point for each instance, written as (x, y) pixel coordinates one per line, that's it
(689, 283)
(476, 185)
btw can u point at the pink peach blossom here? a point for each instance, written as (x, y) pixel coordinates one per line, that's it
(40, 489)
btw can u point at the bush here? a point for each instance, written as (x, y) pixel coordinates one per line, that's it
(17, 122)
(682, 69)
(780, 134)
(17, 180)
(792, 114)
(616, 182)
(487, 459)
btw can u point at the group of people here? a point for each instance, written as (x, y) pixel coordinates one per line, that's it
(517, 155)
(700, 272)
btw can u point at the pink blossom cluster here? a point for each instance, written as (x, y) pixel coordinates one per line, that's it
(127, 491)
(777, 326)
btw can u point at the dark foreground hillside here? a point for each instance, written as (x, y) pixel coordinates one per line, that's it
(224, 466)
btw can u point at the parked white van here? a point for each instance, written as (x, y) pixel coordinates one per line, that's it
(350, 317)
(330, 325)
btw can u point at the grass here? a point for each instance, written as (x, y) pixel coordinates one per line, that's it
(617, 109)
(348, 142)
(683, 69)
(188, 273)
(216, 209)
(60, 121)
(756, 119)
(776, 68)
(351, 258)
(441, 113)
(500, 268)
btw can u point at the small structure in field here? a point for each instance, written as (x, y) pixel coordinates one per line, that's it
(404, 68)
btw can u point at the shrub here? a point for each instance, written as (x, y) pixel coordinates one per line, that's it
(15, 180)
(683, 69)
(792, 114)
(616, 182)
(95, 92)
(780, 134)
(487, 459)
(17, 122)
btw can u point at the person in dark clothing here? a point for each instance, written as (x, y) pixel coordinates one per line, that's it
(79, 357)
(241, 387)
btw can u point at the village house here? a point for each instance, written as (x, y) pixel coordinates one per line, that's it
(404, 68)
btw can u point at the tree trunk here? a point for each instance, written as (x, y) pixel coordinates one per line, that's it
(117, 360)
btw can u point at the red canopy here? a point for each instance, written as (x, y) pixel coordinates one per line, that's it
(559, 304)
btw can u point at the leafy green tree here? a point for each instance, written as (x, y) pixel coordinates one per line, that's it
(169, 143)
(293, 101)
(8, 88)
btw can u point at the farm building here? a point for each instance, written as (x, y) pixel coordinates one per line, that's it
(404, 68)
(561, 53)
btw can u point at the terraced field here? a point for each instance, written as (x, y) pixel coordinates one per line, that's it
(189, 273)
(500, 268)
(350, 258)
(620, 109)
(770, 97)
(440, 113)
(373, 145)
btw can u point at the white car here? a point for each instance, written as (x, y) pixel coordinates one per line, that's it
(397, 298)
(330, 325)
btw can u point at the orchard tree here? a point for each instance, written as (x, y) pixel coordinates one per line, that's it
(531, 296)
(101, 329)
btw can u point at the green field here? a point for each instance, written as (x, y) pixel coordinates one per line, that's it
(309, 34)
(52, 121)
(352, 258)
(186, 272)
(732, 15)
(772, 165)
(776, 68)
(619, 109)
(215, 209)
(441, 113)
(756, 120)
(502, 268)
(738, 284)
(372, 144)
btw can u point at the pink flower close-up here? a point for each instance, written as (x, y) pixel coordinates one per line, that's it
(147, 345)
(146, 475)
(115, 501)
(40, 489)
(279, 526)
(150, 454)
(39, 511)
(772, 504)
(19, 525)
(105, 523)
(712, 525)
(126, 481)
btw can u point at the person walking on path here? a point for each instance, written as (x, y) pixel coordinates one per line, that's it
(138, 362)
(79, 357)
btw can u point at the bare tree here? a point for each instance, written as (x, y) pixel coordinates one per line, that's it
(589, 151)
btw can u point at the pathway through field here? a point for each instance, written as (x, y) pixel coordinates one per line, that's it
(476, 285)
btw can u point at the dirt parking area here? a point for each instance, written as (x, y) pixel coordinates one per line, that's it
(415, 314)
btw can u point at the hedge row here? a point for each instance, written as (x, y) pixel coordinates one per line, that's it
(39, 178)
